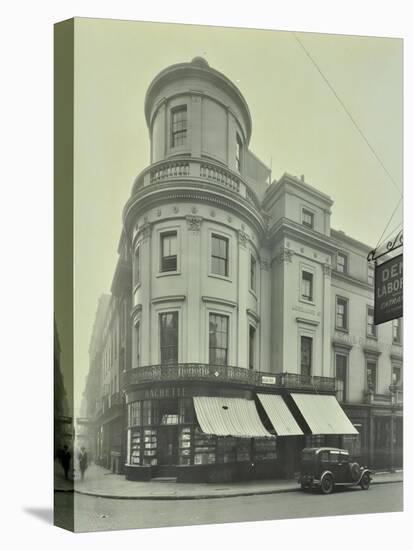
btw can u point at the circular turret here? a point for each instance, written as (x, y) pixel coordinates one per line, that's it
(192, 109)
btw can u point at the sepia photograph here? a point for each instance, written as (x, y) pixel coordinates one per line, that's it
(228, 310)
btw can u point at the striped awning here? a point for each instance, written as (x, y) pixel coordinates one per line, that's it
(323, 414)
(279, 414)
(229, 416)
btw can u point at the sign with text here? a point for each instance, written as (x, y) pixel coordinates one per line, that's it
(388, 290)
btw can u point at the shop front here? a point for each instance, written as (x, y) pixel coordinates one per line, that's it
(177, 433)
(208, 434)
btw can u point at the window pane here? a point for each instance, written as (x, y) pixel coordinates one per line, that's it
(219, 259)
(371, 376)
(252, 347)
(169, 337)
(179, 126)
(306, 353)
(341, 377)
(218, 339)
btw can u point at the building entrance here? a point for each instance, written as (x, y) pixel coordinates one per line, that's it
(168, 445)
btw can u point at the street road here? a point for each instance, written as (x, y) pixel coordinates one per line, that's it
(98, 514)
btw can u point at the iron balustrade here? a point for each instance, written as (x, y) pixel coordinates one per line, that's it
(217, 373)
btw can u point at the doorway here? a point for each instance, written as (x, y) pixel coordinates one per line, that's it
(168, 446)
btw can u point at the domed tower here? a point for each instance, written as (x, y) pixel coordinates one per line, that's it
(196, 230)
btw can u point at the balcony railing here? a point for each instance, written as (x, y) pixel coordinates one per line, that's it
(196, 169)
(393, 397)
(218, 374)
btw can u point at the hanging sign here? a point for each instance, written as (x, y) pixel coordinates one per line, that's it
(388, 290)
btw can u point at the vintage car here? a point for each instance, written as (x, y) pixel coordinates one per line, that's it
(327, 467)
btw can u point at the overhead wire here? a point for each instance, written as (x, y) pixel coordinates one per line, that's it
(360, 131)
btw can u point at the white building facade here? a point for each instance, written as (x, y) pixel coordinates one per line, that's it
(247, 323)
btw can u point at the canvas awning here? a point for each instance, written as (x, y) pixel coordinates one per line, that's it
(229, 416)
(279, 414)
(323, 414)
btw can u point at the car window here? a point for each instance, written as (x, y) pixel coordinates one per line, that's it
(343, 457)
(324, 456)
(334, 456)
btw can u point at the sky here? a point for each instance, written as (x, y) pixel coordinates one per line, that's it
(298, 126)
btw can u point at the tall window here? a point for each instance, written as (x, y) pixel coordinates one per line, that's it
(306, 355)
(307, 286)
(397, 333)
(341, 377)
(251, 359)
(169, 337)
(371, 372)
(179, 126)
(138, 343)
(219, 258)
(371, 327)
(307, 218)
(137, 267)
(342, 262)
(218, 339)
(341, 313)
(253, 273)
(169, 251)
(238, 153)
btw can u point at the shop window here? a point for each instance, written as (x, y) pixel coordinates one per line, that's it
(135, 447)
(168, 411)
(204, 448)
(243, 450)
(306, 355)
(218, 339)
(186, 410)
(219, 255)
(169, 251)
(253, 273)
(135, 413)
(341, 313)
(149, 447)
(307, 218)
(251, 359)
(179, 126)
(169, 337)
(185, 446)
(341, 377)
(264, 449)
(307, 286)
(150, 412)
(342, 262)
(226, 449)
(371, 327)
(371, 375)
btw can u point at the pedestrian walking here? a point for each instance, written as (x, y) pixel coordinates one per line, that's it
(83, 462)
(65, 458)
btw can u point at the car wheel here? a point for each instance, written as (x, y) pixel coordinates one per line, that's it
(365, 482)
(327, 484)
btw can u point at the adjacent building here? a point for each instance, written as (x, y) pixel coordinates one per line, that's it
(239, 327)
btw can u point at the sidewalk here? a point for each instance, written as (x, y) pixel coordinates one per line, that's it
(100, 482)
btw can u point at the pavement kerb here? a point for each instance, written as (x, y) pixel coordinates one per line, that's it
(209, 496)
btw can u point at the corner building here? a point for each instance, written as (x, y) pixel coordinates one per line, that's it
(229, 294)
